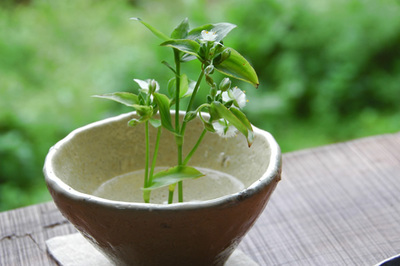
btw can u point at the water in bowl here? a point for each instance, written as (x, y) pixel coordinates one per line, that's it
(127, 187)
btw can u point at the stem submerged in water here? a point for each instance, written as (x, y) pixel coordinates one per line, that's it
(146, 196)
(180, 130)
(179, 138)
(153, 162)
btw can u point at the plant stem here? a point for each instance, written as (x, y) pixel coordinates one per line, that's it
(183, 128)
(153, 162)
(179, 138)
(170, 196)
(195, 90)
(189, 107)
(178, 88)
(146, 168)
(171, 189)
(187, 159)
(180, 191)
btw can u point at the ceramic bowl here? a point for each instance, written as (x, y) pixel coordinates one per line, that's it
(134, 233)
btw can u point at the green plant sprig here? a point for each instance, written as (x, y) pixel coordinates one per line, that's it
(223, 103)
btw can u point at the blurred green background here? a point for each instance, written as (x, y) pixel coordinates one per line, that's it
(329, 70)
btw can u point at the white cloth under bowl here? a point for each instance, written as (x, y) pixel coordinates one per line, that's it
(75, 250)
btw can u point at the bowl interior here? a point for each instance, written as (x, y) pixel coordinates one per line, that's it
(94, 154)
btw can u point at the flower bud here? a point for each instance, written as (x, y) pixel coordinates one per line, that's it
(144, 111)
(211, 53)
(225, 54)
(209, 99)
(210, 81)
(190, 116)
(209, 70)
(152, 86)
(133, 122)
(213, 91)
(208, 126)
(202, 51)
(225, 84)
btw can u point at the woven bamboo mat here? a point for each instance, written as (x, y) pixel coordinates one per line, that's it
(336, 205)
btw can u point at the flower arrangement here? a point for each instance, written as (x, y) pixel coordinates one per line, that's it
(223, 103)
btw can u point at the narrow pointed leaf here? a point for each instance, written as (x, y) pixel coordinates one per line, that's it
(172, 176)
(242, 117)
(181, 31)
(238, 67)
(221, 29)
(126, 98)
(156, 32)
(169, 66)
(185, 45)
(234, 120)
(163, 105)
(188, 57)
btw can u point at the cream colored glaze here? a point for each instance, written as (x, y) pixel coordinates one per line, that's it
(212, 185)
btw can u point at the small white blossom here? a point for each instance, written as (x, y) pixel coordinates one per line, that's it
(224, 129)
(208, 36)
(145, 84)
(236, 95)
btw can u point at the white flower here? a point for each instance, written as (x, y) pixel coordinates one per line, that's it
(145, 84)
(208, 36)
(236, 95)
(224, 129)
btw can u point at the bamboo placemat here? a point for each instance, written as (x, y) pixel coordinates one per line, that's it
(335, 205)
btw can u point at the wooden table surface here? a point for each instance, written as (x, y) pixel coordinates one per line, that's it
(336, 205)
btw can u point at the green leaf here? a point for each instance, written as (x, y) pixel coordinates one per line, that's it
(221, 29)
(127, 98)
(172, 87)
(169, 66)
(156, 32)
(172, 176)
(134, 122)
(242, 117)
(163, 104)
(187, 57)
(236, 119)
(181, 31)
(155, 122)
(238, 67)
(184, 85)
(185, 45)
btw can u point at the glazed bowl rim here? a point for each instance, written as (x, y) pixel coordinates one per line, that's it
(58, 186)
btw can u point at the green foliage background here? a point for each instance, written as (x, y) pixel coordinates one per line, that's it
(329, 70)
